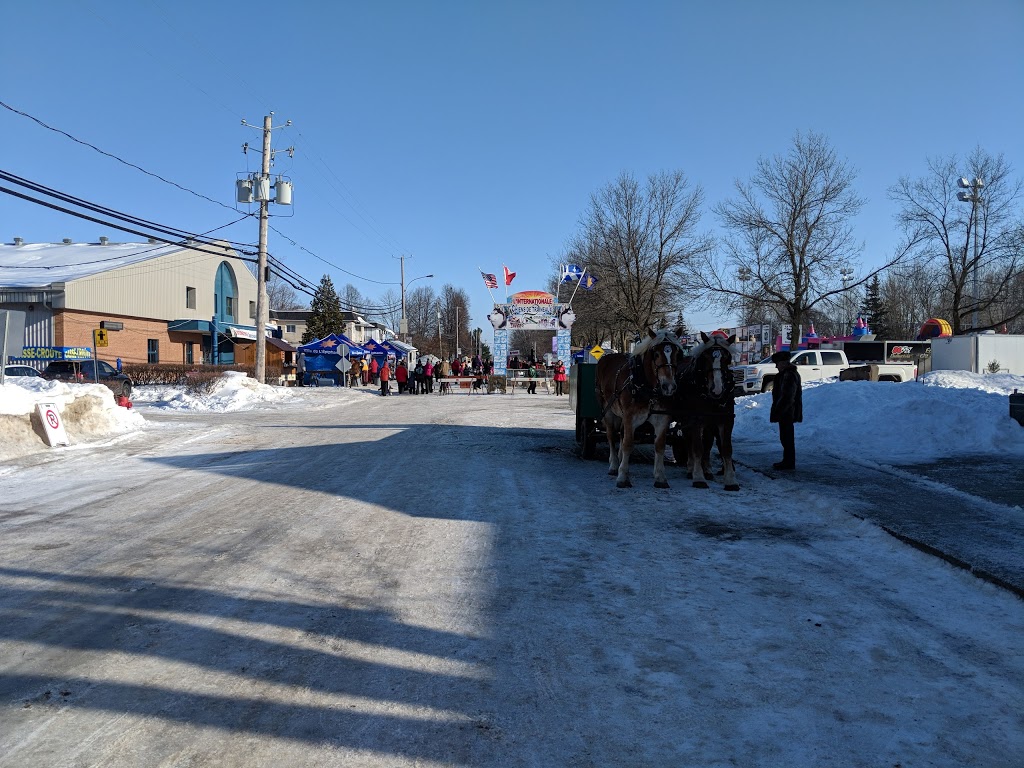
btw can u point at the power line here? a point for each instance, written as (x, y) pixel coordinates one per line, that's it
(331, 264)
(113, 156)
(82, 203)
(178, 242)
(352, 203)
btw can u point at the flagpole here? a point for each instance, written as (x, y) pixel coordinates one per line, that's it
(504, 274)
(578, 283)
(485, 286)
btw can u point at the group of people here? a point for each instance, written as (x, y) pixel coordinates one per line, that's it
(421, 379)
(535, 371)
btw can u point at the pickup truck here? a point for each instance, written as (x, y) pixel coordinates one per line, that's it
(813, 365)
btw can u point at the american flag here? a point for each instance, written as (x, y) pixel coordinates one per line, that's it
(491, 281)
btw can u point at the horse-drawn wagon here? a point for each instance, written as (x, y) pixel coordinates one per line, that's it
(590, 431)
(660, 394)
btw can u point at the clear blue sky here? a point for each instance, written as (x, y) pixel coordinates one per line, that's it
(473, 133)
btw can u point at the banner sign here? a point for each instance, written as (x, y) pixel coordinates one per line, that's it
(500, 352)
(562, 348)
(56, 353)
(532, 311)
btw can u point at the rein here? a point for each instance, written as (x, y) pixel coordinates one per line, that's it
(695, 375)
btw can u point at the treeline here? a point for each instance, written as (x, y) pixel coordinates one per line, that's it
(438, 323)
(787, 250)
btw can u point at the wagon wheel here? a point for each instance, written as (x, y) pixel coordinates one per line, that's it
(589, 439)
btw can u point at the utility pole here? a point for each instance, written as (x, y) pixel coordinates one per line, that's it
(262, 311)
(257, 186)
(403, 323)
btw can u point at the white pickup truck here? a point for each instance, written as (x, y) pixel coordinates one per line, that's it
(813, 365)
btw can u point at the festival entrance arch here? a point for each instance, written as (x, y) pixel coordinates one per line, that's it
(530, 311)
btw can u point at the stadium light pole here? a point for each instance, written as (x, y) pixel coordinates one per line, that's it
(974, 198)
(846, 274)
(745, 275)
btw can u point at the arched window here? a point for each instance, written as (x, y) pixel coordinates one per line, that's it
(225, 292)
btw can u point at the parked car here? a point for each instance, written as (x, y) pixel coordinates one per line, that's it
(20, 370)
(84, 371)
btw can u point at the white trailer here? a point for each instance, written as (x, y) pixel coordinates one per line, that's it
(976, 352)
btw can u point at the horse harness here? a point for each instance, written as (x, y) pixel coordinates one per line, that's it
(641, 390)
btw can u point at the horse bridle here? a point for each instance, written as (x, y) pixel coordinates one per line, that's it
(698, 371)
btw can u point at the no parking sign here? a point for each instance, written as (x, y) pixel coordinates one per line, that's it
(53, 424)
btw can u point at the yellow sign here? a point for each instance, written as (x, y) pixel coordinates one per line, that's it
(100, 337)
(597, 351)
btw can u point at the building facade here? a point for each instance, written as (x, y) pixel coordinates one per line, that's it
(176, 304)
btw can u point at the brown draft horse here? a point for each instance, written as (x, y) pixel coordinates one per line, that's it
(631, 390)
(706, 405)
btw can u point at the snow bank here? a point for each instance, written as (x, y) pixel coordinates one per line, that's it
(946, 414)
(234, 391)
(88, 411)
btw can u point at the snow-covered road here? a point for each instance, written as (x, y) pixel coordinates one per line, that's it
(357, 581)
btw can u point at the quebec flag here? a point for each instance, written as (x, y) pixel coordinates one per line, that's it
(571, 273)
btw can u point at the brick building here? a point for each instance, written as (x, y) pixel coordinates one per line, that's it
(177, 304)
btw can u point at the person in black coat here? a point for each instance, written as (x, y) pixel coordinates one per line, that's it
(787, 407)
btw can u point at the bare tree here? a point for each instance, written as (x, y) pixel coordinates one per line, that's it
(790, 235)
(387, 309)
(352, 299)
(421, 313)
(976, 242)
(281, 295)
(640, 241)
(453, 306)
(911, 295)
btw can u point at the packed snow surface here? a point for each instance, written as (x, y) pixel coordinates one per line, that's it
(268, 577)
(945, 414)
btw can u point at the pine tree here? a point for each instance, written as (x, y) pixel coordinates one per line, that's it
(877, 316)
(325, 313)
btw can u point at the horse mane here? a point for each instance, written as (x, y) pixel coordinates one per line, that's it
(713, 341)
(649, 341)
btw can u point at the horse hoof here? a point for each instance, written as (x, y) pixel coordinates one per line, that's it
(700, 484)
(624, 484)
(661, 485)
(613, 472)
(732, 487)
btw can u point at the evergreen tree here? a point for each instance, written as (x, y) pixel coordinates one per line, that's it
(325, 313)
(877, 316)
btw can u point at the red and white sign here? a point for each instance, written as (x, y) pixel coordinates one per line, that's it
(53, 424)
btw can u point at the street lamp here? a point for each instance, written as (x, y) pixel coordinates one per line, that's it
(847, 275)
(403, 324)
(440, 349)
(745, 275)
(974, 198)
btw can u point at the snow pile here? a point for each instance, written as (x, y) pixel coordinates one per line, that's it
(88, 412)
(947, 413)
(234, 391)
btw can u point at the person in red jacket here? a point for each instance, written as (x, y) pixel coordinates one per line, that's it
(385, 377)
(374, 370)
(560, 378)
(401, 375)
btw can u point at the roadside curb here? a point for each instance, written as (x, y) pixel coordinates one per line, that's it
(928, 549)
